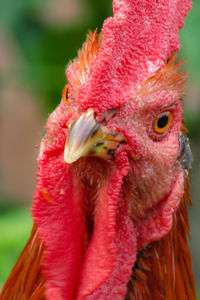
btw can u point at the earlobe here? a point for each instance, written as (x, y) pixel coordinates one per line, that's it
(185, 154)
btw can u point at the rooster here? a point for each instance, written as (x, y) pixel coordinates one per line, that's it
(109, 211)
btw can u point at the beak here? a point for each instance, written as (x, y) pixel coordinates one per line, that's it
(86, 137)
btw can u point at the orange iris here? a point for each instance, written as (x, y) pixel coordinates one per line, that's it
(162, 122)
(64, 94)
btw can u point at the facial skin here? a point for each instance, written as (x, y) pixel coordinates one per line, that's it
(153, 164)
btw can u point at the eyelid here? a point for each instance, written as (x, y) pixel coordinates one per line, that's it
(167, 108)
(170, 108)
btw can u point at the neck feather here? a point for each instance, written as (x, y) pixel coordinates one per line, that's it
(26, 280)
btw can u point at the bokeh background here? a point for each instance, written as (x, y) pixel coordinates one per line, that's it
(37, 40)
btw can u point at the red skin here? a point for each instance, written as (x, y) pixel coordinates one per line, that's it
(136, 198)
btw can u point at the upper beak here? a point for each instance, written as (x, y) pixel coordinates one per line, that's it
(86, 137)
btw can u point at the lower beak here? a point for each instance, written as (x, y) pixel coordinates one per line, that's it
(86, 137)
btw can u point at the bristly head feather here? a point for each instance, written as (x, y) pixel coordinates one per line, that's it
(166, 77)
(79, 70)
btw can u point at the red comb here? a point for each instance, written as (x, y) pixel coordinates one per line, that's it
(137, 41)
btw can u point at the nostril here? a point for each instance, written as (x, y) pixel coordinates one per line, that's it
(109, 114)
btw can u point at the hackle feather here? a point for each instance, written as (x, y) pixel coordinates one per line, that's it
(26, 281)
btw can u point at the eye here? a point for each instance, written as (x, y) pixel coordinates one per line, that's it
(65, 94)
(162, 122)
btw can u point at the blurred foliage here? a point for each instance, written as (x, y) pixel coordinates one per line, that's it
(190, 50)
(190, 41)
(46, 49)
(15, 226)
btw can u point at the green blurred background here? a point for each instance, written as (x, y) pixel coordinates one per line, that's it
(37, 40)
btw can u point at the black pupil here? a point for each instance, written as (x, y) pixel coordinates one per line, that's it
(163, 121)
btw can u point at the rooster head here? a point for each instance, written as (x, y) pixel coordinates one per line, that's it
(110, 166)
